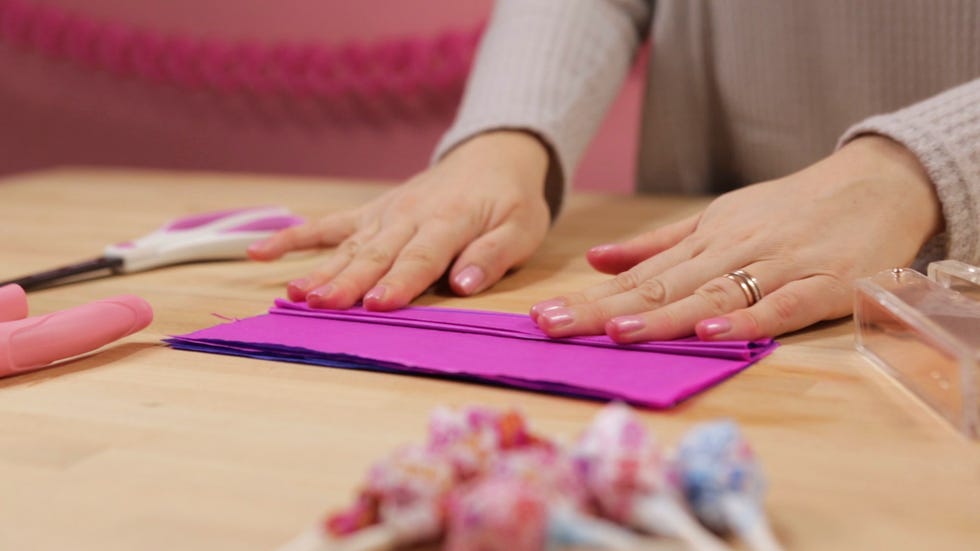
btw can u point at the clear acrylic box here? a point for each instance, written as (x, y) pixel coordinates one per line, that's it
(925, 332)
(958, 276)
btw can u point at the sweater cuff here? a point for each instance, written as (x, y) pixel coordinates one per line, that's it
(944, 133)
(551, 69)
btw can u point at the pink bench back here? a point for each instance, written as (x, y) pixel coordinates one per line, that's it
(330, 87)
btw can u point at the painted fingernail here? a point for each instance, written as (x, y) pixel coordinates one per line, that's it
(296, 290)
(545, 306)
(624, 326)
(712, 327)
(470, 279)
(259, 246)
(603, 249)
(556, 318)
(376, 294)
(320, 297)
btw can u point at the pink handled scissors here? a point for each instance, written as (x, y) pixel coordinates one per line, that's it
(220, 235)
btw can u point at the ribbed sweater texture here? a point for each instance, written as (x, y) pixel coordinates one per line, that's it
(743, 91)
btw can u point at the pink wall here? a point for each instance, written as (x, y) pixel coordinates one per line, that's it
(57, 111)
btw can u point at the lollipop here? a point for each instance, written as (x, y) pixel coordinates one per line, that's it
(623, 468)
(404, 499)
(724, 483)
(530, 499)
(498, 514)
(402, 503)
(473, 437)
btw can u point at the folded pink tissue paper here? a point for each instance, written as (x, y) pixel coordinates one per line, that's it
(488, 347)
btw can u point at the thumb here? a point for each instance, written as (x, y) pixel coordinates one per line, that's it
(615, 258)
(326, 232)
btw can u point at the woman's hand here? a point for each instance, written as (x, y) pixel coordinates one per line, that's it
(805, 238)
(482, 205)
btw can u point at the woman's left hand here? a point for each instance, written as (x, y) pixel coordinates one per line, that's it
(805, 238)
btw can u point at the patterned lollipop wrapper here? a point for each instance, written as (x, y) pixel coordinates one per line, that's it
(473, 437)
(500, 513)
(507, 507)
(624, 469)
(549, 469)
(715, 465)
(414, 479)
(412, 482)
(530, 499)
(619, 460)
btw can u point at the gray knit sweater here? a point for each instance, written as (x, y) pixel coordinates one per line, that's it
(742, 91)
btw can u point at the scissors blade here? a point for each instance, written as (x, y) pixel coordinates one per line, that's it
(41, 279)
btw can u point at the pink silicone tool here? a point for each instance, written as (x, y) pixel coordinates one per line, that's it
(33, 343)
(220, 235)
(13, 303)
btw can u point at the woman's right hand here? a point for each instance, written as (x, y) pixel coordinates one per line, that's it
(483, 205)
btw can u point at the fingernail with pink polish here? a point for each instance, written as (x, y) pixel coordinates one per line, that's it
(470, 279)
(603, 249)
(259, 247)
(544, 306)
(712, 327)
(376, 294)
(624, 326)
(319, 297)
(296, 290)
(556, 318)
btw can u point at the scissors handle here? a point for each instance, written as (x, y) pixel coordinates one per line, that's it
(219, 235)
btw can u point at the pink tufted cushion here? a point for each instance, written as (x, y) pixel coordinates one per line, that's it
(360, 89)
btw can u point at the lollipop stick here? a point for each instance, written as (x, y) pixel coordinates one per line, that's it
(568, 527)
(749, 522)
(759, 536)
(661, 514)
(572, 529)
(373, 538)
(312, 539)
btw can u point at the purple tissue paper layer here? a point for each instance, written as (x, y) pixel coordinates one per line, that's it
(492, 347)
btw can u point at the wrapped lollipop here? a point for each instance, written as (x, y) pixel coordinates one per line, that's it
(724, 482)
(531, 499)
(403, 503)
(498, 514)
(623, 468)
(473, 437)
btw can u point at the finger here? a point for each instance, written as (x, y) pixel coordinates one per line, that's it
(793, 306)
(366, 264)
(651, 293)
(421, 262)
(618, 257)
(484, 261)
(336, 261)
(641, 276)
(325, 232)
(717, 297)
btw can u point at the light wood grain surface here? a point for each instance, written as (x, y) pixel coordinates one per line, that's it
(142, 447)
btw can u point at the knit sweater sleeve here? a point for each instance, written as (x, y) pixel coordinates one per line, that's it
(944, 132)
(552, 68)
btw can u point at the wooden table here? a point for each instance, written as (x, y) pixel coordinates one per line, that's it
(143, 447)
